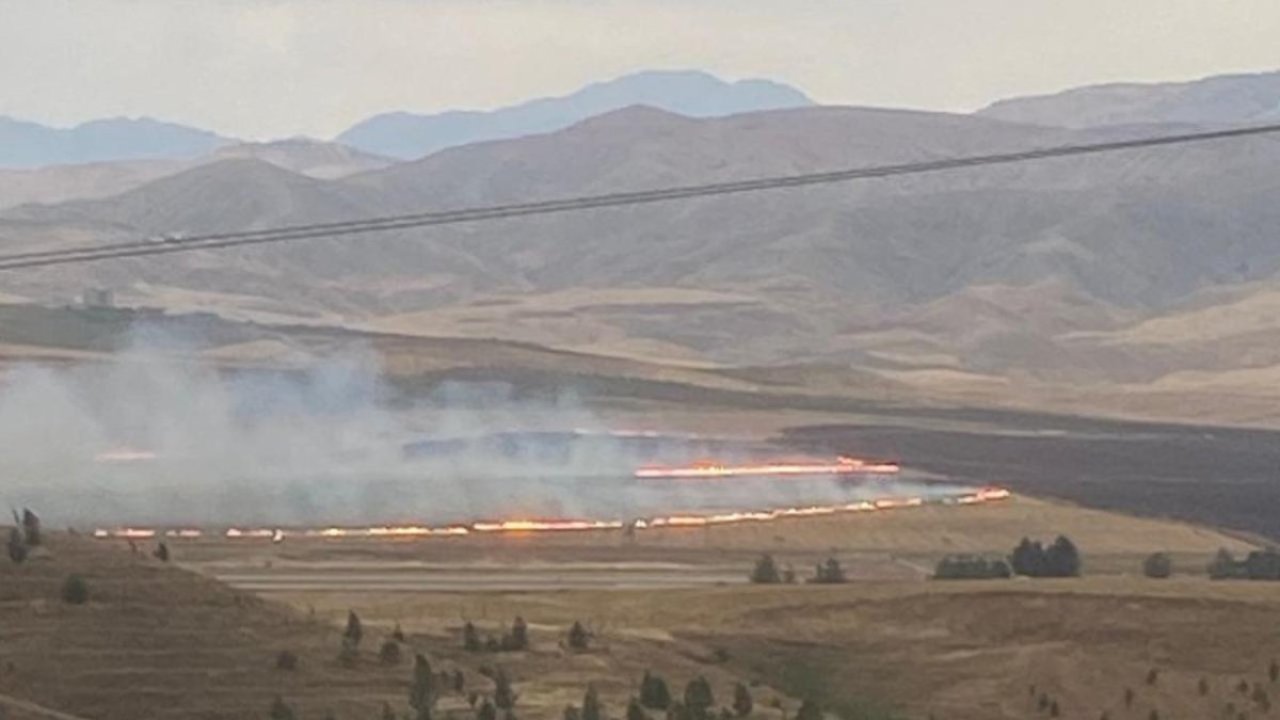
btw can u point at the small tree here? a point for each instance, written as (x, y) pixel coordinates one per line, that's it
(504, 695)
(742, 703)
(1062, 558)
(286, 660)
(1223, 565)
(579, 638)
(162, 552)
(354, 633)
(470, 638)
(571, 713)
(1028, 558)
(17, 547)
(698, 698)
(389, 653)
(31, 528)
(387, 712)
(1203, 686)
(1158, 566)
(397, 634)
(459, 681)
(423, 691)
(591, 709)
(809, 710)
(1273, 671)
(487, 711)
(280, 710)
(519, 634)
(766, 571)
(654, 693)
(829, 573)
(75, 591)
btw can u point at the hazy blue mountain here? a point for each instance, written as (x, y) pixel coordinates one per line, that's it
(1220, 99)
(26, 144)
(691, 93)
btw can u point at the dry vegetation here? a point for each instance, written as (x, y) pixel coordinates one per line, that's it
(160, 642)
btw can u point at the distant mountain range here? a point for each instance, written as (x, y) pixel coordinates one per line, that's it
(1221, 99)
(404, 136)
(1140, 282)
(29, 145)
(400, 134)
(689, 93)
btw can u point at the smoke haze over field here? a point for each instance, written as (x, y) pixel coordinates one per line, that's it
(324, 446)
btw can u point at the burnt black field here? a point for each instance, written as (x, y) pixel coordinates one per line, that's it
(1211, 475)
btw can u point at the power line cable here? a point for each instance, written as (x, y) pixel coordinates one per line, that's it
(172, 244)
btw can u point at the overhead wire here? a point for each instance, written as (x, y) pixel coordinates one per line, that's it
(169, 244)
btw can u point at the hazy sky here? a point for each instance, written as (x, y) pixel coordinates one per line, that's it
(271, 68)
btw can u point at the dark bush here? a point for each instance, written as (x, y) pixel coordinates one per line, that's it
(286, 660)
(579, 638)
(75, 591)
(698, 697)
(519, 634)
(389, 653)
(162, 552)
(742, 703)
(504, 696)
(968, 567)
(354, 633)
(1061, 559)
(766, 571)
(18, 550)
(591, 709)
(487, 711)
(1158, 566)
(654, 693)
(423, 691)
(829, 573)
(397, 634)
(471, 638)
(31, 528)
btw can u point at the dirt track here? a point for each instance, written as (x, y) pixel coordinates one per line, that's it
(417, 578)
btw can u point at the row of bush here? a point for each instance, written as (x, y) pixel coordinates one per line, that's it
(767, 572)
(1030, 559)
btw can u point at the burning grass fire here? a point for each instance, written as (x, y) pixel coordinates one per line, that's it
(518, 526)
(712, 469)
(532, 482)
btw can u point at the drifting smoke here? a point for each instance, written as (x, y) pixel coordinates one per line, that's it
(154, 438)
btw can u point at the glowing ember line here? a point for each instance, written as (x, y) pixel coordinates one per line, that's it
(515, 526)
(702, 470)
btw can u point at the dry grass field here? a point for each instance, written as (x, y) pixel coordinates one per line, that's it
(158, 641)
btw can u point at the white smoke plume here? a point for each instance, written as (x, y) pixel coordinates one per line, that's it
(324, 445)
